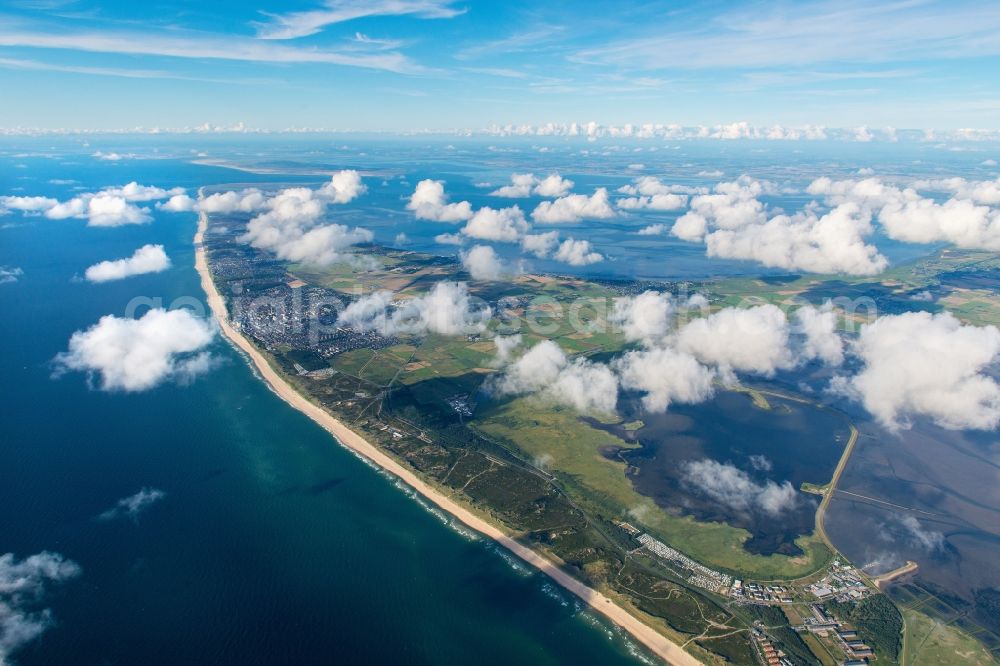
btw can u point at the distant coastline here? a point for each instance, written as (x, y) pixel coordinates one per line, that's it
(653, 640)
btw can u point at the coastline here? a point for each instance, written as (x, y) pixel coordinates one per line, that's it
(651, 639)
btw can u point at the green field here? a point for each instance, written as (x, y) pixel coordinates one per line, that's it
(930, 642)
(572, 450)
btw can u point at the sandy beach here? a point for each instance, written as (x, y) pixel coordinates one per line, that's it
(640, 631)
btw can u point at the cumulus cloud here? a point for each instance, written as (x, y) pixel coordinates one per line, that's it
(751, 340)
(450, 239)
(918, 363)
(540, 245)
(574, 208)
(505, 225)
(344, 186)
(26, 204)
(833, 243)
(234, 201)
(734, 224)
(22, 589)
(819, 328)
(447, 309)
(651, 186)
(482, 263)
(178, 203)
(732, 205)
(523, 185)
(660, 228)
(645, 317)
(577, 253)
(131, 507)
(289, 228)
(138, 354)
(429, 202)
(147, 259)
(111, 207)
(665, 376)
(956, 221)
(732, 487)
(655, 202)
(908, 216)
(544, 370)
(101, 210)
(505, 346)
(136, 192)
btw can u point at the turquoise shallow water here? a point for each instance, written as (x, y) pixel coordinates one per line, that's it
(273, 544)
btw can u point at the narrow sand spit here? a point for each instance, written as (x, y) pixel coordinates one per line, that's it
(649, 637)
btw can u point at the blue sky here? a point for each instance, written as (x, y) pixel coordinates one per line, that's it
(415, 64)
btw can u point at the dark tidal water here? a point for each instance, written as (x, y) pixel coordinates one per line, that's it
(273, 544)
(791, 443)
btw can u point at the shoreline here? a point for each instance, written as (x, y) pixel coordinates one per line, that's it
(648, 637)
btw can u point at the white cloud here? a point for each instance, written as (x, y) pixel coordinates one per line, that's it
(919, 537)
(659, 228)
(429, 202)
(654, 202)
(505, 346)
(577, 253)
(344, 186)
(907, 216)
(131, 507)
(505, 225)
(111, 207)
(917, 363)
(138, 354)
(545, 370)
(540, 245)
(651, 186)
(574, 208)
(178, 43)
(956, 221)
(147, 259)
(136, 192)
(289, 229)
(525, 184)
(450, 239)
(112, 211)
(645, 317)
(26, 204)
(691, 227)
(447, 309)
(243, 201)
(743, 339)
(22, 588)
(101, 210)
(819, 326)
(482, 263)
(304, 23)
(178, 203)
(833, 243)
(553, 185)
(761, 463)
(665, 376)
(732, 487)
(10, 274)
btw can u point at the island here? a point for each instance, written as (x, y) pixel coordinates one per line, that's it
(586, 498)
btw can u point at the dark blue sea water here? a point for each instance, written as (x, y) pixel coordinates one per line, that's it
(273, 544)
